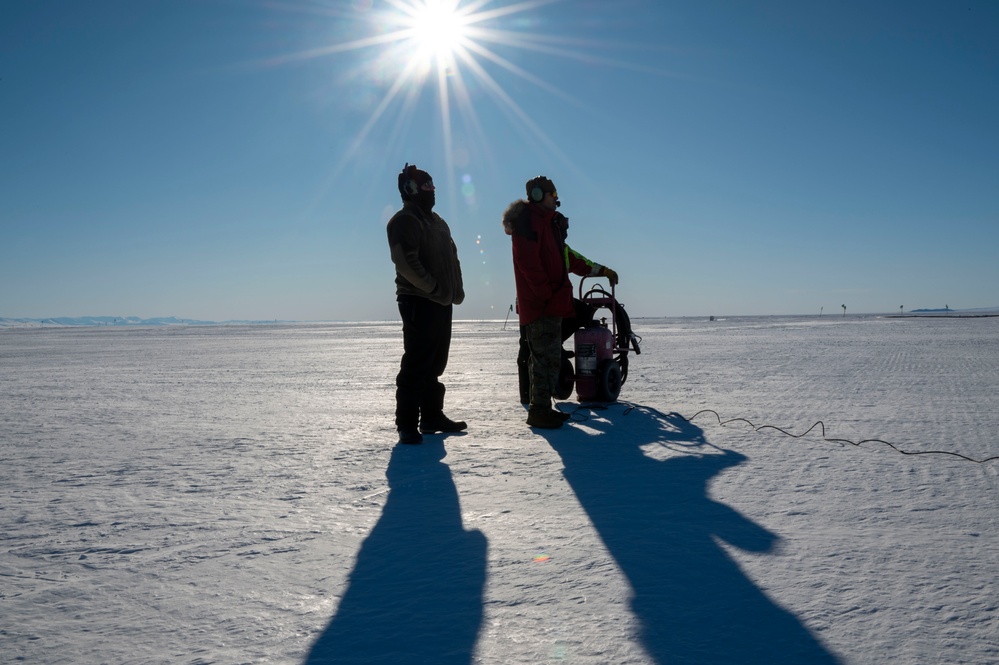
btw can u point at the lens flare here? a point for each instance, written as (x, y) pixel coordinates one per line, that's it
(468, 190)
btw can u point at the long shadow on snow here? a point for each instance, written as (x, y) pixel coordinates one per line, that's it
(416, 592)
(693, 602)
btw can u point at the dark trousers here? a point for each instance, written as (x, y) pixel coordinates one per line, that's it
(426, 341)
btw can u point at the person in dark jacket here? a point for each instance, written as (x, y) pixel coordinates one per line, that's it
(542, 262)
(428, 285)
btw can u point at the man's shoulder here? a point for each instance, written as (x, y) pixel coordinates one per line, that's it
(407, 211)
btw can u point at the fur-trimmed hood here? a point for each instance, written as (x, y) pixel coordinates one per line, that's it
(517, 221)
(515, 217)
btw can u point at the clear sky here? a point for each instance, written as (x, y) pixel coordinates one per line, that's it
(232, 159)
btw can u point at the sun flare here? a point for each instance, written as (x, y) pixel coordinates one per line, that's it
(438, 29)
(461, 50)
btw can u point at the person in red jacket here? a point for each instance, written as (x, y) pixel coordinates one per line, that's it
(542, 262)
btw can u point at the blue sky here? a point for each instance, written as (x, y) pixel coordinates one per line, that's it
(237, 160)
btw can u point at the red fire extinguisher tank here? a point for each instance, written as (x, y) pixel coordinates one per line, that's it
(594, 355)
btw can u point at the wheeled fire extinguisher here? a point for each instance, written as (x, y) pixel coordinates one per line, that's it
(598, 375)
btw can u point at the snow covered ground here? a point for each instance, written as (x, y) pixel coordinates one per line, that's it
(234, 494)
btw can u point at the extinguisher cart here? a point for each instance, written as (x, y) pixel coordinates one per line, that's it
(601, 349)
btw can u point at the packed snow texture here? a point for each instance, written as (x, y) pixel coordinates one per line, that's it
(235, 494)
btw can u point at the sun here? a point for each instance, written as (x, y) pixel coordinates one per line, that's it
(439, 29)
(458, 50)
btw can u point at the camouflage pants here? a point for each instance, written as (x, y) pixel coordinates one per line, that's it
(544, 337)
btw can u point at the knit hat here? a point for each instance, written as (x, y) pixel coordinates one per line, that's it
(412, 181)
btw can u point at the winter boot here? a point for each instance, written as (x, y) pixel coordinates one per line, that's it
(545, 418)
(441, 423)
(410, 435)
(432, 418)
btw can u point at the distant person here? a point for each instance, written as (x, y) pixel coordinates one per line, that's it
(428, 284)
(542, 262)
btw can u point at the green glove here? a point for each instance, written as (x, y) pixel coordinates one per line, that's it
(609, 274)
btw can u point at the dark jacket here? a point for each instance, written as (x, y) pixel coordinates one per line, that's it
(542, 261)
(425, 256)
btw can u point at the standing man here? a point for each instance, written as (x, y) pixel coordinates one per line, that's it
(428, 285)
(542, 262)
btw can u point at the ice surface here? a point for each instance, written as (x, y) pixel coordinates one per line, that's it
(234, 494)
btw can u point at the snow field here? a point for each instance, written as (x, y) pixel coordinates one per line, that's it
(235, 495)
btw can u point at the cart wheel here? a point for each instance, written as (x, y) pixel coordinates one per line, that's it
(609, 381)
(622, 360)
(566, 379)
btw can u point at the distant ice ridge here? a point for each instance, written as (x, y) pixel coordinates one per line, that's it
(95, 321)
(120, 321)
(947, 311)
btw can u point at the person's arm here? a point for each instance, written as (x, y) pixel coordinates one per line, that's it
(404, 243)
(578, 264)
(459, 287)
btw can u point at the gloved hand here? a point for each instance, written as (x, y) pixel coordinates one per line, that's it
(609, 274)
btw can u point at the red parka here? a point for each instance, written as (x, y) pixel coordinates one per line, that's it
(542, 261)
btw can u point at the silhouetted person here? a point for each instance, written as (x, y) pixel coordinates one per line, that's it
(428, 285)
(542, 262)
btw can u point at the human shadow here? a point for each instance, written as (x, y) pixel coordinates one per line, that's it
(652, 510)
(416, 592)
